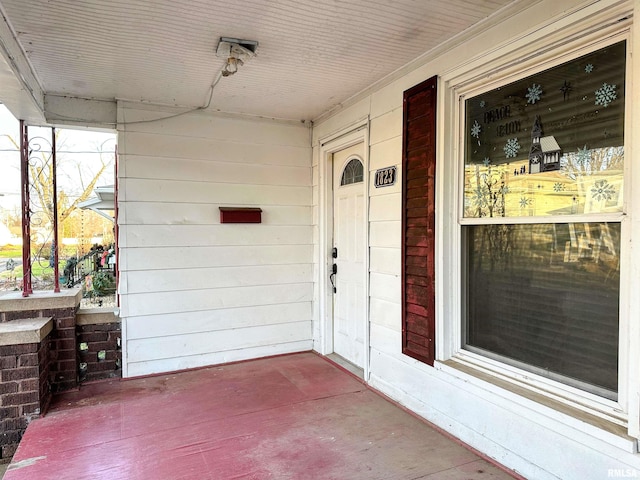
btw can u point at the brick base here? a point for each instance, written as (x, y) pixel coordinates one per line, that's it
(64, 365)
(24, 391)
(99, 351)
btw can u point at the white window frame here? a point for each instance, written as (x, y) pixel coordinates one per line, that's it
(508, 63)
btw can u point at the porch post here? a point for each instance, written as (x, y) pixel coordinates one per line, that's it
(56, 272)
(26, 213)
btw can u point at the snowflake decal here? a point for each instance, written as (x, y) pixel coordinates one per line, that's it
(602, 190)
(606, 94)
(558, 187)
(534, 93)
(524, 202)
(504, 189)
(486, 162)
(588, 68)
(511, 148)
(479, 197)
(584, 155)
(476, 129)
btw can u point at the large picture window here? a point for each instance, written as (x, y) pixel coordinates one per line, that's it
(543, 295)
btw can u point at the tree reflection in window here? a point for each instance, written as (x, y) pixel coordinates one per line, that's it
(352, 173)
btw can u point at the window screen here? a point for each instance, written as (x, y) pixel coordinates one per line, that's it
(546, 295)
(543, 293)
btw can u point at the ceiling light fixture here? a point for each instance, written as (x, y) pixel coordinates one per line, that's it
(236, 51)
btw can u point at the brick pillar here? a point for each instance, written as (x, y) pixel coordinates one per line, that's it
(98, 338)
(64, 363)
(62, 307)
(24, 379)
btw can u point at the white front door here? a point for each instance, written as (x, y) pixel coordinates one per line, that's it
(349, 252)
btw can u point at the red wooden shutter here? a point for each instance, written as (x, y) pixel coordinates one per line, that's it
(418, 221)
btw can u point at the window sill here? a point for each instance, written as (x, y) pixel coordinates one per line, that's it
(569, 416)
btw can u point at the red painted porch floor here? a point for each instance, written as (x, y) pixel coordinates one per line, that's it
(290, 417)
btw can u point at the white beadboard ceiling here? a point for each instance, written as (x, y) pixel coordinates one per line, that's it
(313, 54)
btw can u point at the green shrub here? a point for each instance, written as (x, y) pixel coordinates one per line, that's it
(104, 283)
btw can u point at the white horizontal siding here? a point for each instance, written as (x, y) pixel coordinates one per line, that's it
(385, 313)
(387, 126)
(387, 153)
(195, 291)
(384, 207)
(385, 287)
(202, 125)
(184, 323)
(384, 153)
(202, 343)
(386, 339)
(385, 217)
(203, 235)
(160, 258)
(169, 280)
(385, 260)
(242, 151)
(385, 234)
(165, 213)
(224, 172)
(212, 192)
(154, 303)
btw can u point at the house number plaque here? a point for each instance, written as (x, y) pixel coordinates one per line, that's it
(385, 177)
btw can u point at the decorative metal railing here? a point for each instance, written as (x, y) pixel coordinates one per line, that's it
(95, 271)
(39, 210)
(43, 265)
(41, 213)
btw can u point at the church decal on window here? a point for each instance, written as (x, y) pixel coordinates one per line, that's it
(545, 153)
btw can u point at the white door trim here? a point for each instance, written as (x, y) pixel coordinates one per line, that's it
(338, 141)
